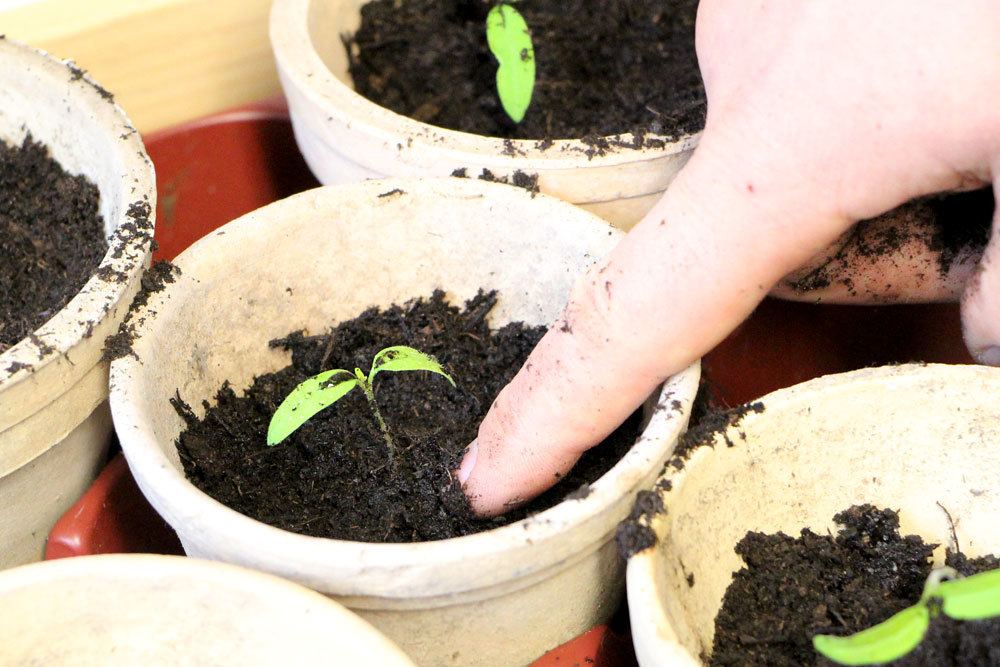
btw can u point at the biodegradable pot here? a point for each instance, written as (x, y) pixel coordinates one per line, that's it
(345, 137)
(902, 437)
(163, 610)
(501, 597)
(54, 419)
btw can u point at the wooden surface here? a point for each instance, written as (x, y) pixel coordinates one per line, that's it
(166, 61)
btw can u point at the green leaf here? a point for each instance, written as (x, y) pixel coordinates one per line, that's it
(318, 392)
(972, 598)
(887, 641)
(510, 41)
(404, 358)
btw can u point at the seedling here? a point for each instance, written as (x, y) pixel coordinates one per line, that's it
(509, 39)
(965, 599)
(323, 390)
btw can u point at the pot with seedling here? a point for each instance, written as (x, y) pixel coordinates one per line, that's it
(795, 515)
(509, 91)
(356, 496)
(75, 234)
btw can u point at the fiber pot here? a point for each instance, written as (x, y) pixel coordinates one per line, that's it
(501, 597)
(163, 610)
(345, 137)
(54, 420)
(901, 437)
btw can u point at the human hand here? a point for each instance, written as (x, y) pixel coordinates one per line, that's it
(819, 115)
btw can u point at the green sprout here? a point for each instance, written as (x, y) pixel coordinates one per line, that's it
(964, 599)
(323, 390)
(510, 41)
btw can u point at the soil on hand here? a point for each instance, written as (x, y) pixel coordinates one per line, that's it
(794, 588)
(332, 477)
(51, 238)
(954, 226)
(603, 67)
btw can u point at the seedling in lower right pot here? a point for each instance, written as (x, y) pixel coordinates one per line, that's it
(972, 598)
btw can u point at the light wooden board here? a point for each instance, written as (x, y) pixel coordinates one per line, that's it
(166, 61)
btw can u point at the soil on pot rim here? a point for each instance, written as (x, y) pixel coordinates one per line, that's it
(52, 238)
(603, 67)
(794, 588)
(332, 477)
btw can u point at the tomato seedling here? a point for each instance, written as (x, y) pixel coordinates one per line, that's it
(972, 598)
(321, 391)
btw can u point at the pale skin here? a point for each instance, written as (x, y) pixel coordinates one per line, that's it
(820, 114)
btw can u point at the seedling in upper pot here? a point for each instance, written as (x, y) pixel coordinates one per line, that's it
(323, 390)
(972, 598)
(509, 39)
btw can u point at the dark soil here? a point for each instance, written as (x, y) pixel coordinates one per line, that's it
(332, 478)
(51, 238)
(794, 588)
(603, 67)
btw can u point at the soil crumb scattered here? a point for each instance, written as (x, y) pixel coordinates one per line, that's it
(332, 477)
(519, 178)
(603, 67)
(154, 279)
(714, 422)
(52, 238)
(794, 588)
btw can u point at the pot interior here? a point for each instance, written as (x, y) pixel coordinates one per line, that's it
(904, 438)
(328, 22)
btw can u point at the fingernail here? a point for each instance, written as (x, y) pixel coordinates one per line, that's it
(990, 356)
(469, 462)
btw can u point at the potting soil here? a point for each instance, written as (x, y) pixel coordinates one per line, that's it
(333, 477)
(51, 238)
(794, 588)
(603, 67)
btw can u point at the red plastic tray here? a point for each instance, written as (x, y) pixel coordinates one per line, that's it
(213, 170)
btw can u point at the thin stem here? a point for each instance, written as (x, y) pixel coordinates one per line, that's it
(370, 395)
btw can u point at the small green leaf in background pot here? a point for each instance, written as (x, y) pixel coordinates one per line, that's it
(404, 358)
(318, 392)
(885, 642)
(510, 41)
(973, 598)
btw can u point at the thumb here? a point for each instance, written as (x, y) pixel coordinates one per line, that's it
(981, 299)
(676, 285)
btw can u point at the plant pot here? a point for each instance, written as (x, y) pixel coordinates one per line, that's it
(165, 610)
(345, 137)
(543, 580)
(54, 420)
(900, 437)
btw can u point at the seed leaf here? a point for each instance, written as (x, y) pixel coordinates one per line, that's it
(972, 598)
(887, 641)
(509, 39)
(316, 393)
(404, 358)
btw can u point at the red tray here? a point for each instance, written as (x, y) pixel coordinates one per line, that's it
(211, 171)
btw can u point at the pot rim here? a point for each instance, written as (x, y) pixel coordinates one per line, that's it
(343, 558)
(650, 624)
(300, 63)
(127, 248)
(153, 568)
